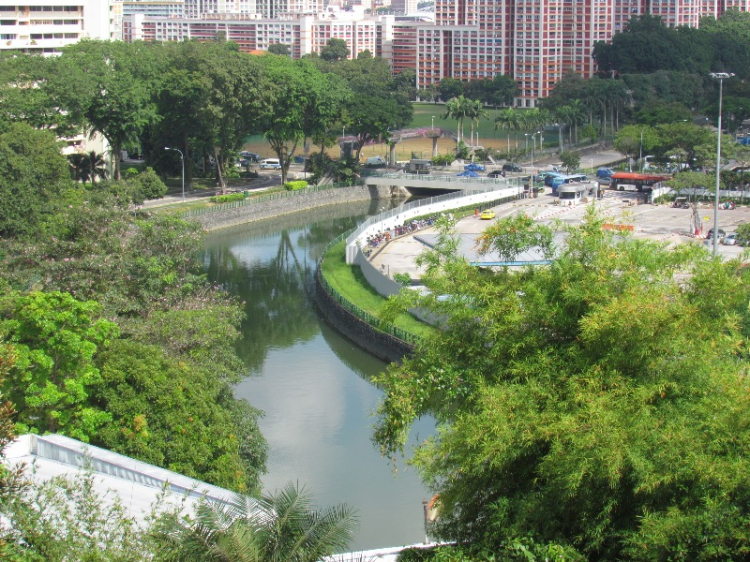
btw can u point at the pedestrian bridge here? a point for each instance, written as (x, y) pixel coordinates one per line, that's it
(441, 181)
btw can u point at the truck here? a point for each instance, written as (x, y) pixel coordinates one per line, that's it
(375, 162)
(418, 166)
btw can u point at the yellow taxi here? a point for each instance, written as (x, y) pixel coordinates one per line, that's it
(488, 215)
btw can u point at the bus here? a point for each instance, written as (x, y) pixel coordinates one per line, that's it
(562, 180)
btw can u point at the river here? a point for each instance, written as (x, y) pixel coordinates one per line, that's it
(312, 384)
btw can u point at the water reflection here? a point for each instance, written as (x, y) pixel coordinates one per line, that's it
(312, 384)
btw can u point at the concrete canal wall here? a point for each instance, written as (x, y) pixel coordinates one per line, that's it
(250, 211)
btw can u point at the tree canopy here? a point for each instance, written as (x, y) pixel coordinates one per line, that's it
(598, 402)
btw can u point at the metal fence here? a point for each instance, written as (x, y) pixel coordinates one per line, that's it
(414, 205)
(363, 315)
(260, 199)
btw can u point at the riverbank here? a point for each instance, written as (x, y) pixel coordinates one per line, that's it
(286, 203)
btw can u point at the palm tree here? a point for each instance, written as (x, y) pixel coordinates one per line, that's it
(80, 167)
(279, 528)
(510, 120)
(456, 108)
(97, 166)
(475, 111)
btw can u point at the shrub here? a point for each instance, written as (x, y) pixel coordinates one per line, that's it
(295, 185)
(228, 198)
(443, 159)
(743, 234)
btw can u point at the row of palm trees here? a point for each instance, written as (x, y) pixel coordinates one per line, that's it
(461, 108)
(567, 117)
(603, 105)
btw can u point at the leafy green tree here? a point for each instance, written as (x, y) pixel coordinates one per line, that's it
(570, 160)
(55, 338)
(306, 101)
(119, 81)
(279, 49)
(33, 176)
(274, 528)
(381, 103)
(658, 113)
(450, 88)
(334, 50)
(635, 141)
(182, 417)
(579, 403)
(647, 45)
(29, 90)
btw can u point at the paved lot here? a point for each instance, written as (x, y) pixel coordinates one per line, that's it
(660, 222)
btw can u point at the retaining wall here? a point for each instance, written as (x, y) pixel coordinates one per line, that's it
(381, 345)
(292, 204)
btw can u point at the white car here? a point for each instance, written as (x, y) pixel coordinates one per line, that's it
(730, 240)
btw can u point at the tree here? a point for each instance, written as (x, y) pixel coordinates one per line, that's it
(118, 82)
(305, 103)
(635, 141)
(149, 185)
(450, 88)
(97, 166)
(570, 160)
(66, 518)
(279, 49)
(510, 120)
(33, 176)
(274, 528)
(579, 402)
(55, 338)
(335, 50)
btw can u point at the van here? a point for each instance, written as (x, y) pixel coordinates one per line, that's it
(419, 166)
(270, 164)
(375, 162)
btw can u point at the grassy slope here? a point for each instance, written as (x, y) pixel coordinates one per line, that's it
(351, 284)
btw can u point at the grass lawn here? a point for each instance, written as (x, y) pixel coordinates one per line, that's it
(351, 284)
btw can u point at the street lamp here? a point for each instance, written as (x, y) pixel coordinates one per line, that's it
(182, 162)
(720, 76)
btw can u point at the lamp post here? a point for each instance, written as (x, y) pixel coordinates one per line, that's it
(720, 76)
(182, 162)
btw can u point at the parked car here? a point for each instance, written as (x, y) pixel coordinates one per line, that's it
(722, 234)
(510, 167)
(468, 174)
(474, 167)
(270, 164)
(496, 174)
(487, 215)
(730, 240)
(251, 156)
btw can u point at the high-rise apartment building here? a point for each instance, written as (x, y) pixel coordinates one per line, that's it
(45, 26)
(536, 41)
(404, 6)
(533, 41)
(260, 8)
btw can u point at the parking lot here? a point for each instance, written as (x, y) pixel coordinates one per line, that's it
(659, 222)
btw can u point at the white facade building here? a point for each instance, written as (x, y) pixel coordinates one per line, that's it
(45, 26)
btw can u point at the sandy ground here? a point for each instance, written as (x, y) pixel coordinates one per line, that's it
(420, 147)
